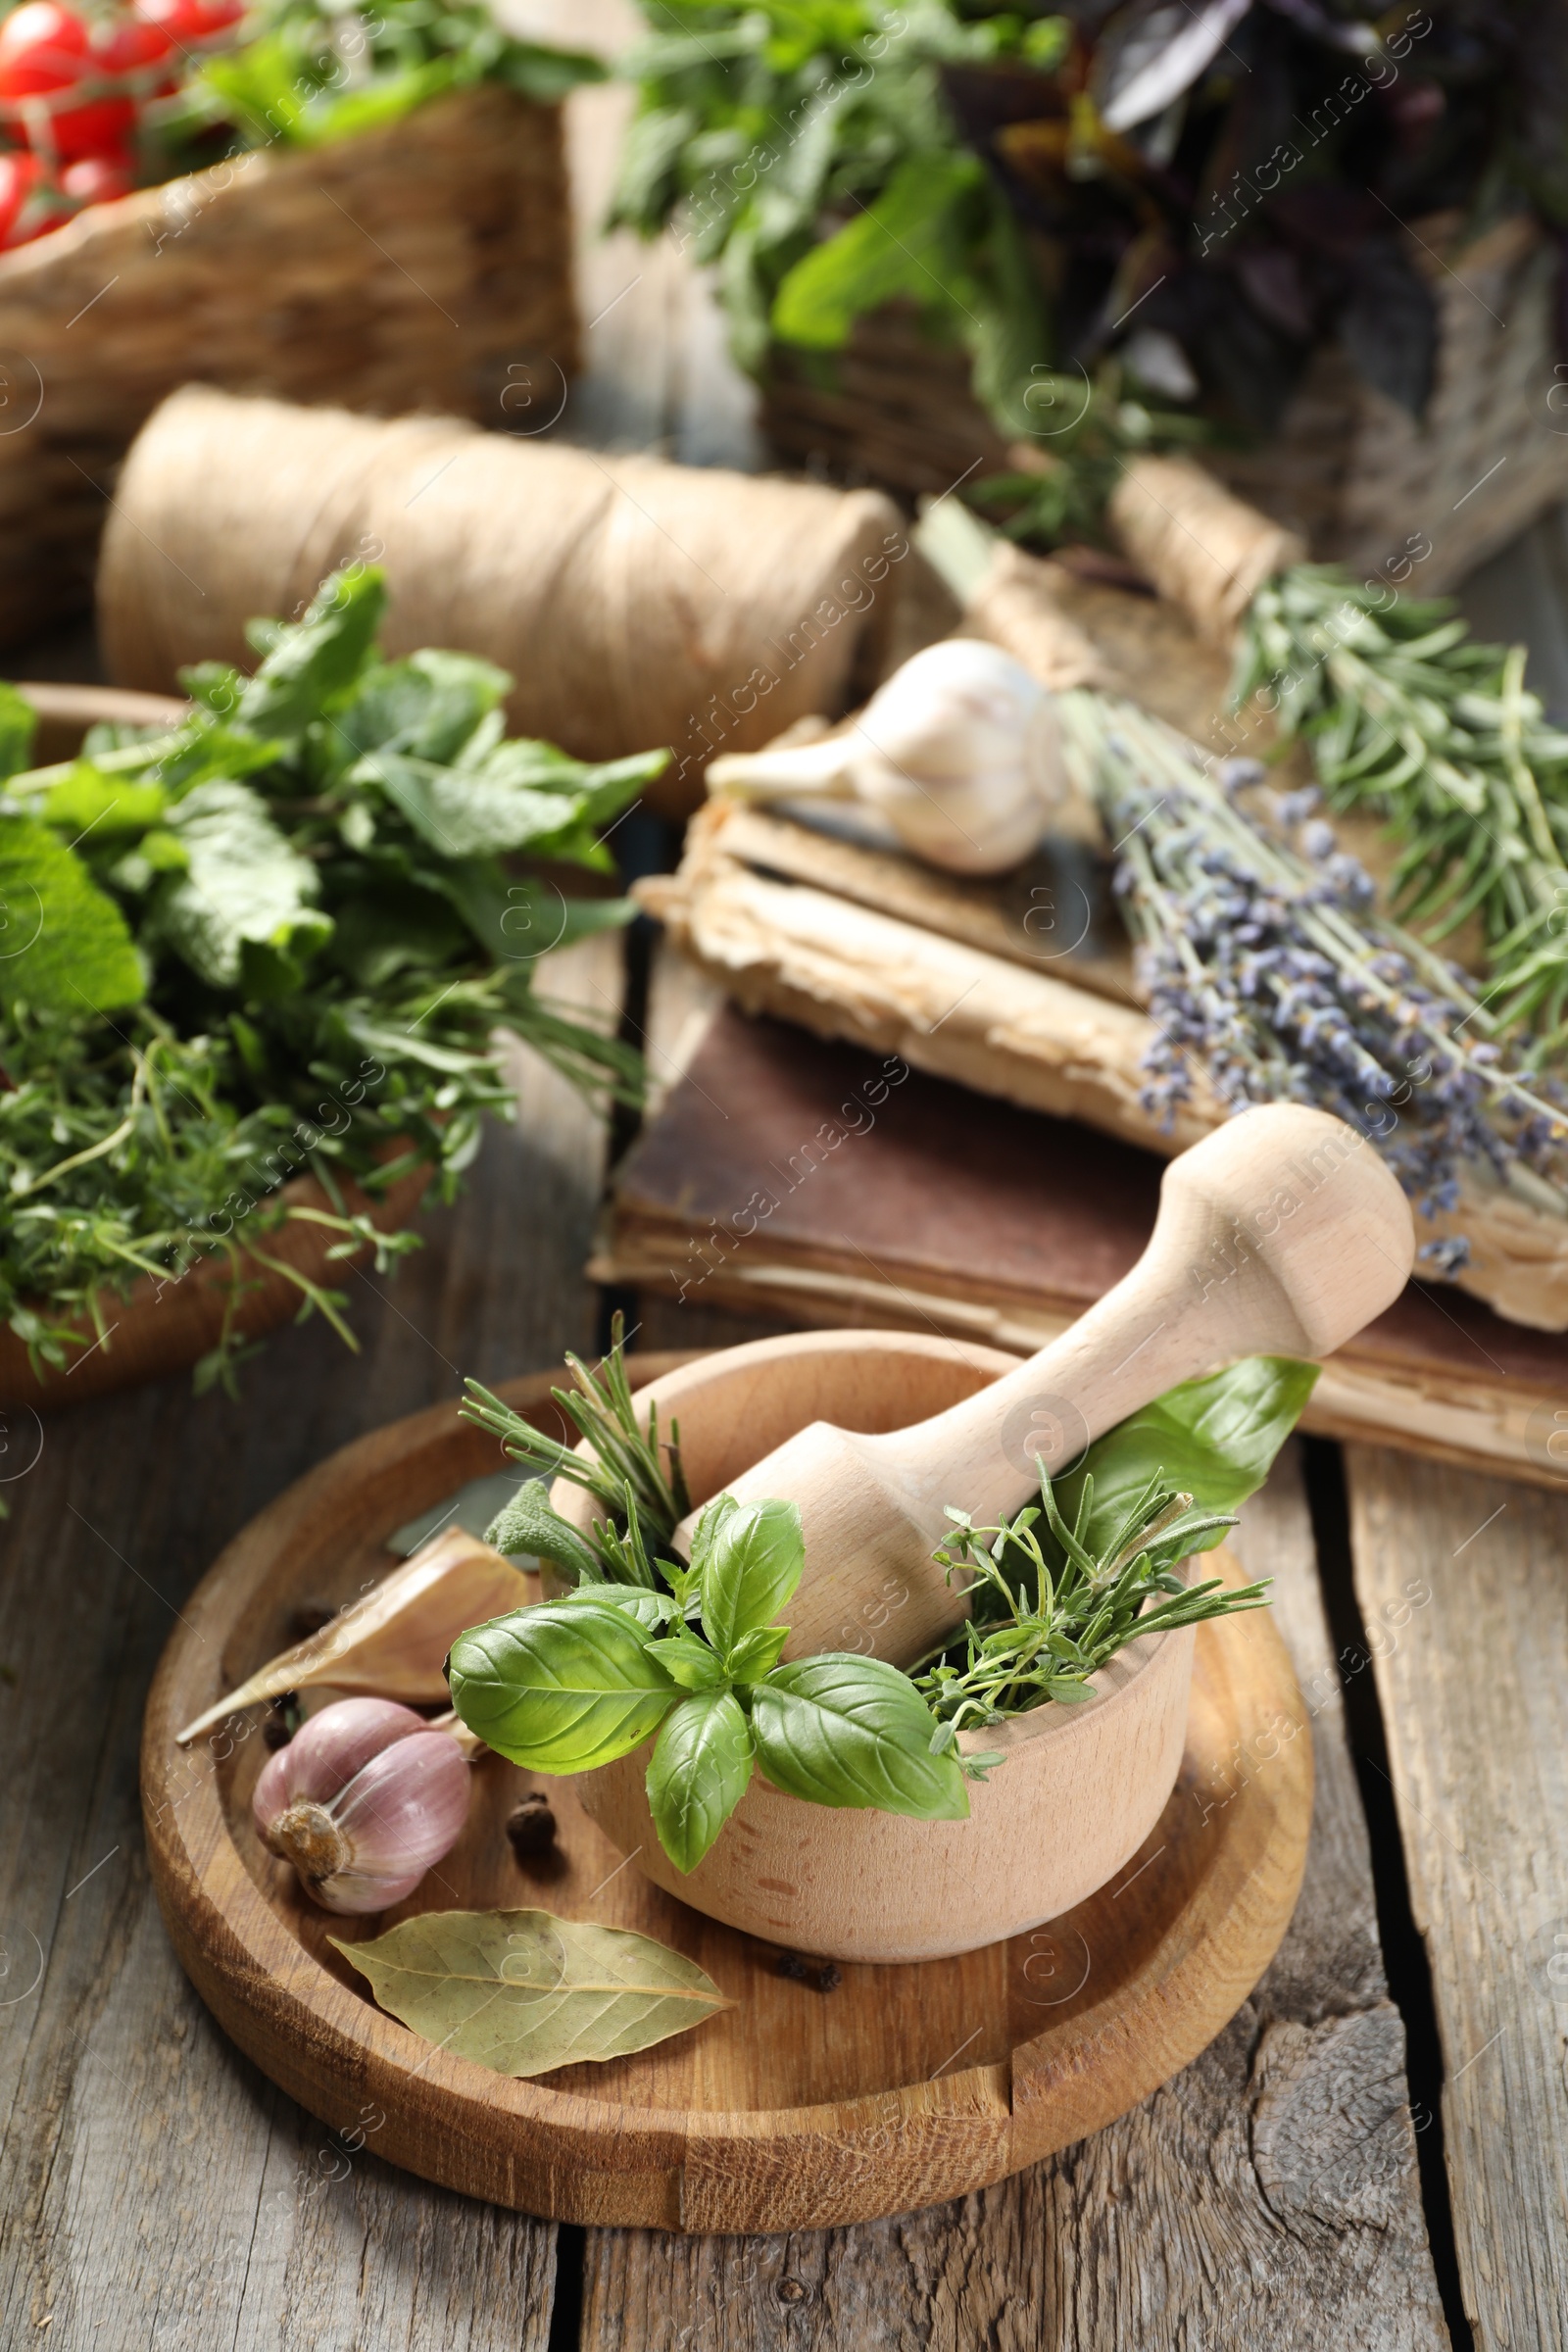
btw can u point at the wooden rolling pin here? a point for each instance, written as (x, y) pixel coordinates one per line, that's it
(1281, 1234)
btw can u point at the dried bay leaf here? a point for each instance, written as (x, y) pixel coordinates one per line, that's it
(523, 1993)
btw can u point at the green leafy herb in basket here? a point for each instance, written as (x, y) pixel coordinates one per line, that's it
(276, 940)
(1212, 192)
(642, 1648)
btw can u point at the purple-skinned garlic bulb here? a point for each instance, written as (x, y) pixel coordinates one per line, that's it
(362, 1800)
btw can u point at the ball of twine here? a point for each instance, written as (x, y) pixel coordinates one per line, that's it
(1203, 549)
(634, 602)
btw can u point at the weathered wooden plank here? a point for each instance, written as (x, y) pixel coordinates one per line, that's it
(154, 2189)
(1461, 1584)
(1267, 2196)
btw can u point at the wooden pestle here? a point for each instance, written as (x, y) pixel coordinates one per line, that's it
(1281, 1234)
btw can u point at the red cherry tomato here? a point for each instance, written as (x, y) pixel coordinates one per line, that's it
(44, 49)
(19, 174)
(98, 178)
(188, 21)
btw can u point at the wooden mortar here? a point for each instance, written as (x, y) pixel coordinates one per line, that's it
(1078, 1793)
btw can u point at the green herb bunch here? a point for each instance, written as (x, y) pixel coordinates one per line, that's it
(644, 1647)
(307, 71)
(277, 939)
(1406, 715)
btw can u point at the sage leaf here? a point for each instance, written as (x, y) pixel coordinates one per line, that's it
(697, 1772)
(751, 1567)
(527, 1522)
(846, 1731)
(523, 1993)
(561, 1686)
(244, 913)
(1215, 1438)
(64, 944)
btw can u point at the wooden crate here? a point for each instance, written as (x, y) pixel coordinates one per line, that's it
(1350, 469)
(423, 264)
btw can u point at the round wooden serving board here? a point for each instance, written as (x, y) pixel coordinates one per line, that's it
(797, 2108)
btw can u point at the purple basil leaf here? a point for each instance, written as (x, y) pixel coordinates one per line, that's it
(1152, 51)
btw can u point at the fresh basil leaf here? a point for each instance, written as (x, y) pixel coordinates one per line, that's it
(757, 1653)
(690, 1663)
(528, 1524)
(561, 1686)
(709, 1519)
(1213, 1439)
(522, 1992)
(243, 915)
(697, 1772)
(316, 660)
(753, 1565)
(652, 1610)
(64, 944)
(848, 1731)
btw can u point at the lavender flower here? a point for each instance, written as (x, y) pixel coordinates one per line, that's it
(1265, 970)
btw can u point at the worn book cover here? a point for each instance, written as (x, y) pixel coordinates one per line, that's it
(835, 1184)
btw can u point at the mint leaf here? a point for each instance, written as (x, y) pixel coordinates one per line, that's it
(243, 914)
(752, 1565)
(18, 724)
(64, 944)
(846, 1731)
(697, 1775)
(313, 661)
(561, 1686)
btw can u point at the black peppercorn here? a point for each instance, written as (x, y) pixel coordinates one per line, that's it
(531, 1824)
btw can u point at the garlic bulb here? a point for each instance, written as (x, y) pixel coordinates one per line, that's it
(961, 751)
(362, 1800)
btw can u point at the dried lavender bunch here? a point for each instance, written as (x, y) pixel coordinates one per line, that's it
(1406, 716)
(1266, 968)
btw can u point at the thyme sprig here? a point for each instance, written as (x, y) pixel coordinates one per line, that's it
(1405, 715)
(1047, 1615)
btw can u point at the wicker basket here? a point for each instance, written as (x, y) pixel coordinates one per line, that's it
(424, 264)
(1350, 469)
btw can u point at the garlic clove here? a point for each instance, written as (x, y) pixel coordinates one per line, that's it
(328, 1750)
(406, 1807)
(373, 1800)
(394, 1640)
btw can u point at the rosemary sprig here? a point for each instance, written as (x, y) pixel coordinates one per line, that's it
(634, 1473)
(1048, 1613)
(1405, 715)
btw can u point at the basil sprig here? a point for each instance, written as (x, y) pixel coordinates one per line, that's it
(575, 1683)
(643, 1648)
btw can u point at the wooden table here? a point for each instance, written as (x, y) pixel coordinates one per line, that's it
(1373, 2155)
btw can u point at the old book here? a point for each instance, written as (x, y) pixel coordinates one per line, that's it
(836, 1185)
